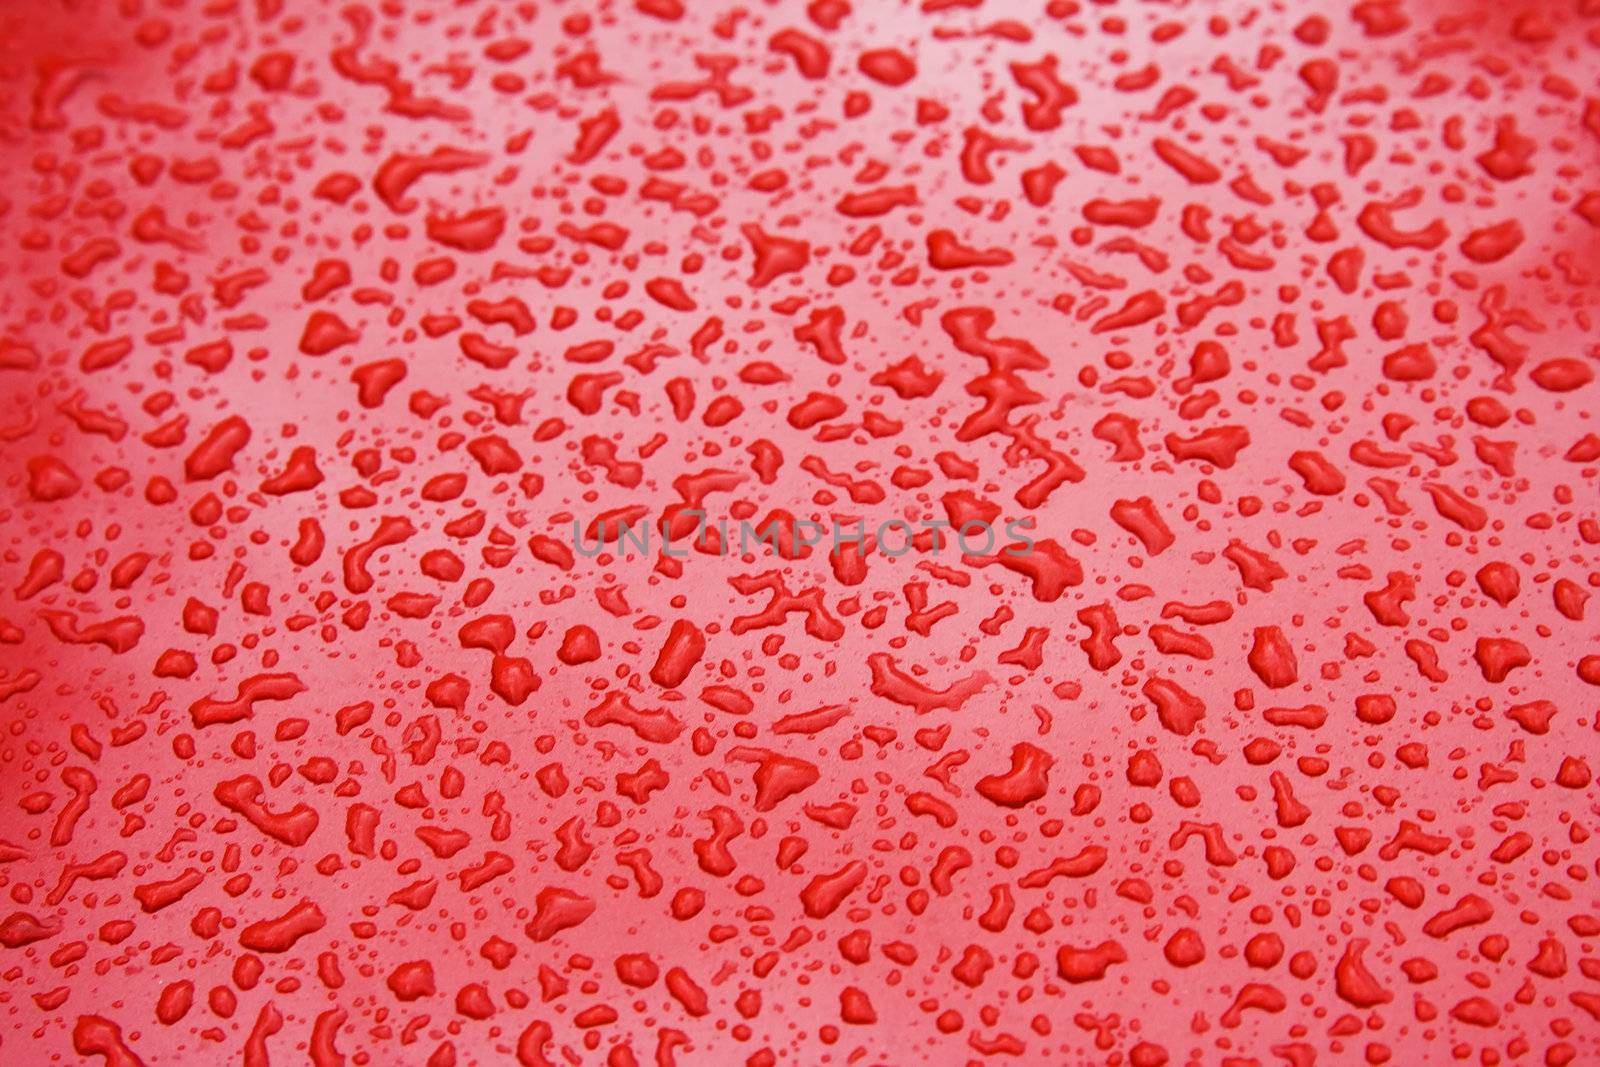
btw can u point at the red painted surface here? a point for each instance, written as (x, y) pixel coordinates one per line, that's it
(321, 325)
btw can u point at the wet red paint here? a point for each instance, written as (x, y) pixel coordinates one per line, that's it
(326, 325)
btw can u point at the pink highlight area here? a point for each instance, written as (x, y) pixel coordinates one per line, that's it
(326, 329)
